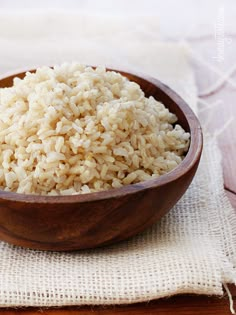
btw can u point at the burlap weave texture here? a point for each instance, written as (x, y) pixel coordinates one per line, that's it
(191, 250)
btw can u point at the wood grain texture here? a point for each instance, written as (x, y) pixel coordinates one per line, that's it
(227, 139)
(184, 305)
(180, 305)
(97, 219)
(221, 102)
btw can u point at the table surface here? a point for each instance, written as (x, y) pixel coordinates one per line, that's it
(219, 115)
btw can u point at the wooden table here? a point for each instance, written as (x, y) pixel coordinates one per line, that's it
(185, 305)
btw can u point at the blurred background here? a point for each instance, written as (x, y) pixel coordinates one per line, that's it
(51, 31)
(179, 41)
(177, 18)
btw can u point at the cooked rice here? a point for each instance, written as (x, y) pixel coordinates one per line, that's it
(73, 129)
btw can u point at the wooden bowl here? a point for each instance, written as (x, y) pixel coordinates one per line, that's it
(64, 223)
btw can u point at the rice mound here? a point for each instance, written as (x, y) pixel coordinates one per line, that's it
(72, 129)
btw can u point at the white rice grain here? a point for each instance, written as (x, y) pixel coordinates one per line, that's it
(72, 129)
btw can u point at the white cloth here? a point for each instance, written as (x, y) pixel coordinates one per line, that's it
(191, 250)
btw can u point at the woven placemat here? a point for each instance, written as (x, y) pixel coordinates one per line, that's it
(191, 250)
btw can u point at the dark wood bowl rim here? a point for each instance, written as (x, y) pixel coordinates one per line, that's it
(192, 156)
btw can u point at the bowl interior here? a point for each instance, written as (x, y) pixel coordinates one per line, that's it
(162, 93)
